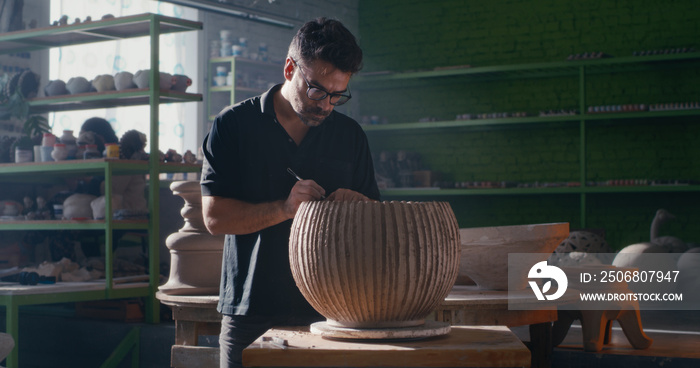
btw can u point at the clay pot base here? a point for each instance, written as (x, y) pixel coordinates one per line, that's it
(429, 329)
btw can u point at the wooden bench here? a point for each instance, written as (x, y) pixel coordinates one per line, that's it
(470, 306)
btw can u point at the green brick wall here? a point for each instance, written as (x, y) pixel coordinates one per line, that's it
(411, 35)
(415, 34)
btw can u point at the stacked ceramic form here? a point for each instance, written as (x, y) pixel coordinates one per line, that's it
(195, 255)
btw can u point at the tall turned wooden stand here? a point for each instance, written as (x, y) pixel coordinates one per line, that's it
(194, 316)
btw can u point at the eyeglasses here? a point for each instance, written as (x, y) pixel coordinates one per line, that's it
(317, 93)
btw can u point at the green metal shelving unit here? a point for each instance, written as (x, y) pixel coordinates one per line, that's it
(580, 69)
(236, 92)
(144, 25)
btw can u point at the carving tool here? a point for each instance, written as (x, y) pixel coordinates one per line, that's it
(276, 341)
(289, 170)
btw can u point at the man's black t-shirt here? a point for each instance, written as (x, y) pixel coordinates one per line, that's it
(246, 156)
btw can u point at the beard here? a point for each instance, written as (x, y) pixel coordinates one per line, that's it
(313, 116)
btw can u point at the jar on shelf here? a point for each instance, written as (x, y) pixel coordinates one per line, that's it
(23, 155)
(91, 152)
(71, 144)
(111, 150)
(225, 49)
(237, 50)
(243, 44)
(37, 153)
(59, 152)
(48, 140)
(225, 35)
(262, 52)
(214, 48)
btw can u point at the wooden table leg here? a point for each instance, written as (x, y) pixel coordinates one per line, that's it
(541, 345)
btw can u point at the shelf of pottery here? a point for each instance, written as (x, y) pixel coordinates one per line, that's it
(582, 110)
(237, 72)
(39, 215)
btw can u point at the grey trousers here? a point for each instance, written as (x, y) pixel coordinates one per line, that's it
(237, 332)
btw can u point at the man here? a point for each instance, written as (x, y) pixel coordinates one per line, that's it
(249, 194)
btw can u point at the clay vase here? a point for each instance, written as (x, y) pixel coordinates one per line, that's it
(195, 255)
(485, 252)
(374, 265)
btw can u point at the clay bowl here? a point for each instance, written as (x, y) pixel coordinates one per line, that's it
(371, 265)
(124, 80)
(485, 252)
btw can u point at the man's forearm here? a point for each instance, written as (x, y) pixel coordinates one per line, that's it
(232, 216)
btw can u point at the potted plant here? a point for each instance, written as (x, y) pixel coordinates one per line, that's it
(13, 104)
(34, 127)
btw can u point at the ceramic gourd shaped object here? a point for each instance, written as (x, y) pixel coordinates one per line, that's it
(124, 80)
(181, 82)
(141, 78)
(55, 88)
(104, 82)
(78, 85)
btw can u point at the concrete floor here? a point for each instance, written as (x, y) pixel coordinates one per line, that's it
(53, 338)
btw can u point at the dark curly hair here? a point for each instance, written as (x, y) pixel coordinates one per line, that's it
(328, 40)
(103, 131)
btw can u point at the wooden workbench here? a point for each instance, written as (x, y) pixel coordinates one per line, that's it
(468, 305)
(464, 346)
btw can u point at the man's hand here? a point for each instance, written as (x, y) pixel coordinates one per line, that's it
(304, 190)
(347, 195)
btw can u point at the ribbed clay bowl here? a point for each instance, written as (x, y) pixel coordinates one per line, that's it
(374, 264)
(485, 252)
